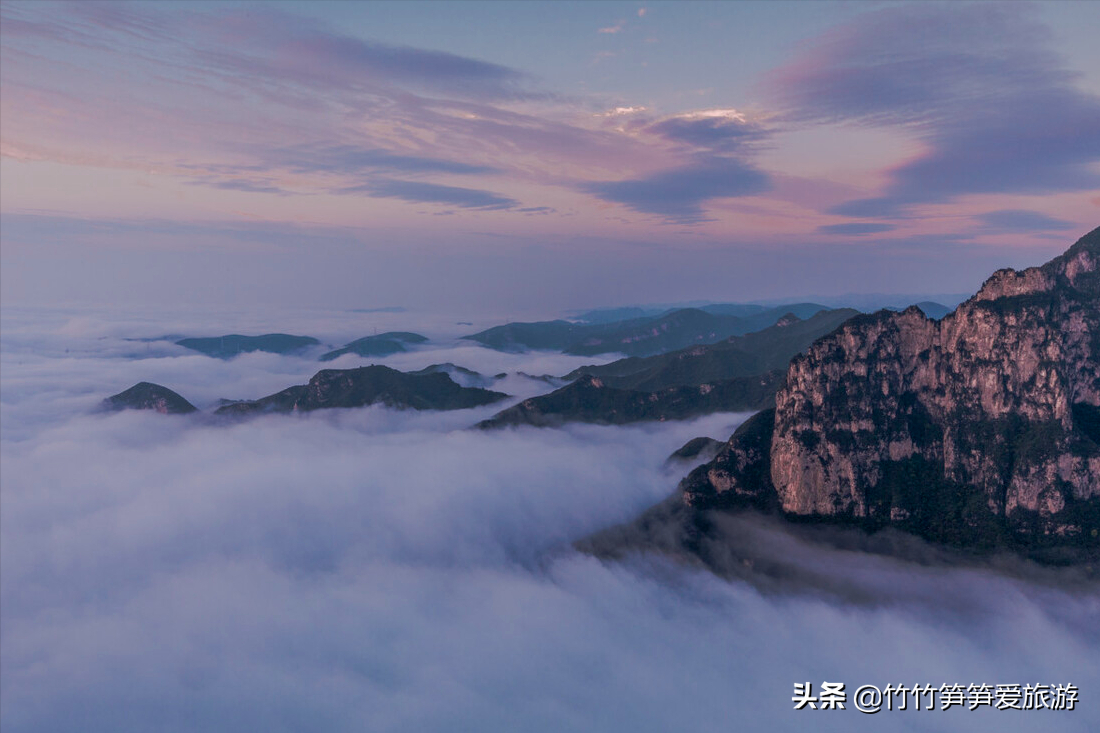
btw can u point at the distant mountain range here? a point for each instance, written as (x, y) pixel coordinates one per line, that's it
(226, 347)
(383, 344)
(428, 389)
(864, 302)
(588, 399)
(634, 331)
(231, 345)
(644, 336)
(738, 374)
(738, 356)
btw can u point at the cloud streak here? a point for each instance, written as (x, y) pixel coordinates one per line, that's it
(995, 108)
(680, 194)
(432, 193)
(1016, 220)
(855, 228)
(718, 145)
(351, 159)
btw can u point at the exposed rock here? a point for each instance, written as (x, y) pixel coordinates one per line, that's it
(367, 386)
(149, 396)
(977, 430)
(738, 476)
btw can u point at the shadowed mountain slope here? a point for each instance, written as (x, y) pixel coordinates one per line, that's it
(645, 336)
(588, 399)
(149, 396)
(382, 344)
(739, 356)
(226, 347)
(369, 385)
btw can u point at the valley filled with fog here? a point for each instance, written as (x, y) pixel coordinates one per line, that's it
(388, 570)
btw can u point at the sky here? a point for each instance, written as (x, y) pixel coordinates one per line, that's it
(537, 157)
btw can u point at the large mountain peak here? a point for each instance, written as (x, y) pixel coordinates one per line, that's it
(978, 429)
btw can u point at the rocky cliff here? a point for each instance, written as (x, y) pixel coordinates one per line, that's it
(980, 429)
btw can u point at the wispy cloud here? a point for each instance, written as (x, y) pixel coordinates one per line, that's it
(351, 159)
(855, 228)
(720, 130)
(717, 145)
(240, 184)
(1021, 220)
(994, 107)
(432, 193)
(680, 193)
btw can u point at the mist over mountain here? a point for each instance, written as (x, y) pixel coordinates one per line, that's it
(227, 571)
(588, 399)
(376, 384)
(644, 336)
(382, 344)
(226, 347)
(978, 430)
(738, 374)
(148, 396)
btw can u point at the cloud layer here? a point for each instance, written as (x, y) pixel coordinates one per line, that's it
(377, 570)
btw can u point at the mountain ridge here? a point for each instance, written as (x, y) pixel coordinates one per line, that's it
(368, 385)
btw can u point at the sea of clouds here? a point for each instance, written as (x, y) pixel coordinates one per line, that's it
(383, 570)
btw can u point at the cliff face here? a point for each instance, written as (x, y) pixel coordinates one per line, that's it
(980, 429)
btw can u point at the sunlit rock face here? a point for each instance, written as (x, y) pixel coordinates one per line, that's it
(980, 429)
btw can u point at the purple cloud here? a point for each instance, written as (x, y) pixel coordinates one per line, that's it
(351, 159)
(289, 47)
(856, 228)
(718, 144)
(679, 194)
(1023, 220)
(270, 50)
(871, 208)
(237, 184)
(432, 193)
(995, 108)
(719, 133)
